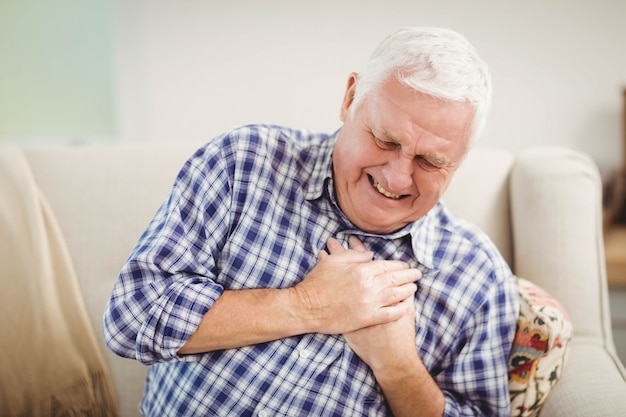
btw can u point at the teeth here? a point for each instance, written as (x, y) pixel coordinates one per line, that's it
(383, 191)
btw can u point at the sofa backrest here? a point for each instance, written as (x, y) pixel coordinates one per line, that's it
(103, 198)
(479, 193)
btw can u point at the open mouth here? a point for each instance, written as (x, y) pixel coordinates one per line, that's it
(384, 192)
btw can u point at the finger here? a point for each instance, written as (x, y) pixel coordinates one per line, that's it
(322, 255)
(403, 276)
(396, 295)
(382, 267)
(338, 254)
(393, 312)
(334, 246)
(356, 244)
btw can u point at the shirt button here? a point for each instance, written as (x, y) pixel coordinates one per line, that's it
(264, 413)
(305, 354)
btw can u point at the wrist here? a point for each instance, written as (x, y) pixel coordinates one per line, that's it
(299, 307)
(390, 371)
(408, 385)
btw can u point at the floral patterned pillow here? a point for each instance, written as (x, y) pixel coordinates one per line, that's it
(538, 353)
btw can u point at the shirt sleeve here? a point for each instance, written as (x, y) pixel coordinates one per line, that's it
(476, 383)
(168, 282)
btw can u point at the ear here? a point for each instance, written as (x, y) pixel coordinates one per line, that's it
(348, 97)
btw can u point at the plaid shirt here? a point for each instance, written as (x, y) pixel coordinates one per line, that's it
(252, 209)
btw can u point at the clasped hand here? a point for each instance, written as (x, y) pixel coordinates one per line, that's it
(369, 301)
(347, 290)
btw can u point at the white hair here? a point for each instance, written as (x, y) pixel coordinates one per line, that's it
(435, 61)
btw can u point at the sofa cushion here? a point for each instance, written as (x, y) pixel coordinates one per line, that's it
(539, 349)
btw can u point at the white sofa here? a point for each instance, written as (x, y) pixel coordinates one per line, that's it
(541, 207)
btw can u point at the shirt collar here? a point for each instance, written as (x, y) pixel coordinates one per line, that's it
(422, 233)
(321, 171)
(423, 238)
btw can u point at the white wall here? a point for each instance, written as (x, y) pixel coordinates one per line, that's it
(56, 71)
(187, 70)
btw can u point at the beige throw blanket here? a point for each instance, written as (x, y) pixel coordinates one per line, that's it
(50, 362)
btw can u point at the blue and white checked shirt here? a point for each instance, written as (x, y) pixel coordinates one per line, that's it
(252, 209)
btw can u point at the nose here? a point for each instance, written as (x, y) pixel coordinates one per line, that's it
(398, 174)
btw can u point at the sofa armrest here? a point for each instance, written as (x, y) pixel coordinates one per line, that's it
(556, 217)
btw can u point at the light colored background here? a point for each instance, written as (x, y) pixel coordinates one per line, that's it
(56, 71)
(164, 70)
(75, 71)
(189, 70)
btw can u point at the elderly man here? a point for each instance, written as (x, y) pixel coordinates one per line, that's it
(293, 273)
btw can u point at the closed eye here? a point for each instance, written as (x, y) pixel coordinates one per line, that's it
(429, 164)
(386, 144)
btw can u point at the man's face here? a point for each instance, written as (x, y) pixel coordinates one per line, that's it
(396, 154)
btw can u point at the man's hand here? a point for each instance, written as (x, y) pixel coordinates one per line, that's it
(348, 290)
(386, 347)
(389, 350)
(388, 344)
